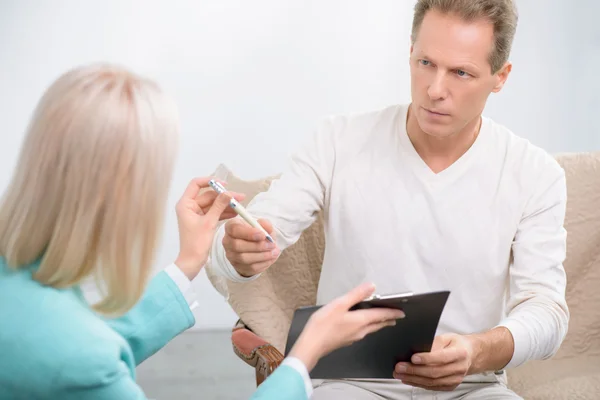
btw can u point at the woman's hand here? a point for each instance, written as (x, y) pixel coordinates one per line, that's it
(334, 326)
(198, 215)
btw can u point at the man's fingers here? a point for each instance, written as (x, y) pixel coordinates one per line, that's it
(356, 295)
(441, 341)
(266, 224)
(239, 229)
(447, 383)
(444, 356)
(257, 268)
(437, 388)
(251, 258)
(434, 372)
(244, 246)
(426, 387)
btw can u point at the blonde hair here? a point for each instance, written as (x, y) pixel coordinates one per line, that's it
(88, 195)
(501, 13)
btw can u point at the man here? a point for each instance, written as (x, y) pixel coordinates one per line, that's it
(431, 196)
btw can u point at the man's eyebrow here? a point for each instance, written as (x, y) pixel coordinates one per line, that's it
(461, 66)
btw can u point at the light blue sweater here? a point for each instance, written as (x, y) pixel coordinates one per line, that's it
(53, 346)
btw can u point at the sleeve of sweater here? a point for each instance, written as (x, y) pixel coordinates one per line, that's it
(537, 312)
(161, 314)
(293, 201)
(286, 383)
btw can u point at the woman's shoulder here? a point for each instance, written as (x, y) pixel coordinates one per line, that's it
(50, 335)
(31, 309)
(51, 366)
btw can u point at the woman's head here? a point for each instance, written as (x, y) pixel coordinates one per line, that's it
(89, 189)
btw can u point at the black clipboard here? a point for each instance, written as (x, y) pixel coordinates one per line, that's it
(375, 356)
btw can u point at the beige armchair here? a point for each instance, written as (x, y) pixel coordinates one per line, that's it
(265, 306)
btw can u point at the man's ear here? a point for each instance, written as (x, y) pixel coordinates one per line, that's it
(501, 76)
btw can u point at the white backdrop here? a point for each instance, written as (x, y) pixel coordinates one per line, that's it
(253, 78)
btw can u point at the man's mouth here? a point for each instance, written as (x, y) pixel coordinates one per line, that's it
(436, 112)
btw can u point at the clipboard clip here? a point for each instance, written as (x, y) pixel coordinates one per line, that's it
(388, 296)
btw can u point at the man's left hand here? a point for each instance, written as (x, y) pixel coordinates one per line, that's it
(442, 369)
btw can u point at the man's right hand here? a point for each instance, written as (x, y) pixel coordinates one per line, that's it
(247, 248)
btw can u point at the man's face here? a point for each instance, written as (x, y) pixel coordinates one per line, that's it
(451, 76)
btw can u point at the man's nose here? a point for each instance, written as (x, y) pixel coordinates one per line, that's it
(438, 88)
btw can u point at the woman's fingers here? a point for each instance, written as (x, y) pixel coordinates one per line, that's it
(207, 198)
(375, 315)
(356, 295)
(194, 187)
(375, 327)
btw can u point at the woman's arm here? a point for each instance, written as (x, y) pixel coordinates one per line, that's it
(161, 314)
(290, 381)
(333, 326)
(165, 309)
(93, 373)
(125, 388)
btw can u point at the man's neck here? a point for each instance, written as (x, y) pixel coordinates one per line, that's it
(441, 153)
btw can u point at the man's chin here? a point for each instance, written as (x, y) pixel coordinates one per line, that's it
(435, 130)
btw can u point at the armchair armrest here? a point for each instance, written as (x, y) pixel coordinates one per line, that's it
(255, 351)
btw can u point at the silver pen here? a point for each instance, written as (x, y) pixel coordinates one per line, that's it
(239, 209)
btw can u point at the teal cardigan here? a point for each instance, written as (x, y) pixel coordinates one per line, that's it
(53, 346)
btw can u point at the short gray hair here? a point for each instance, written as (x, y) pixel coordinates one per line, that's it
(501, 13)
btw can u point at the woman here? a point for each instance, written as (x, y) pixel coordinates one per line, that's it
(87, 201)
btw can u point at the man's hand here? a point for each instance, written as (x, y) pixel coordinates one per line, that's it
(444, 368)
(452, 357)
(247, 248)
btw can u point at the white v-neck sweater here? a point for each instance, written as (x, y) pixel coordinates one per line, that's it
(489, 228)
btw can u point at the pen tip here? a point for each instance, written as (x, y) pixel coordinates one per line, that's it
(270, 239)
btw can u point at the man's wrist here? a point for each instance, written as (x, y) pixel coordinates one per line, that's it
(491, 350)
(477, 348)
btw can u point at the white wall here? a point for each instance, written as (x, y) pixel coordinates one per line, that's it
(252, 78)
